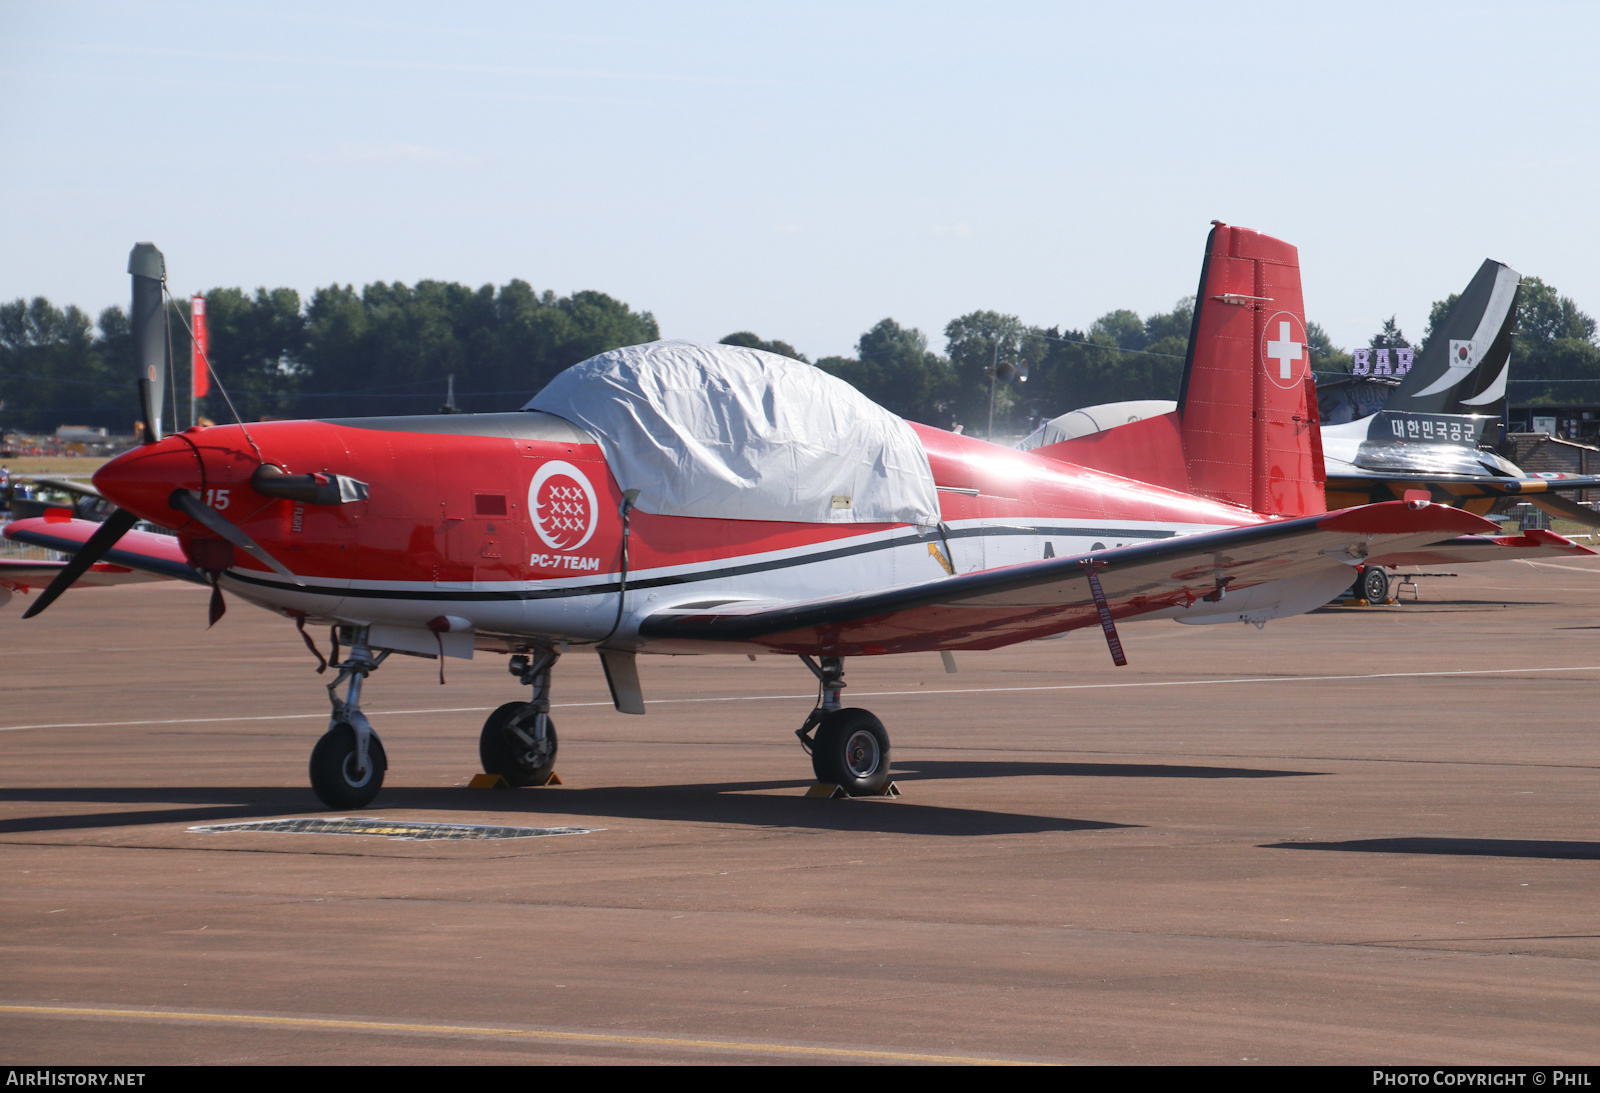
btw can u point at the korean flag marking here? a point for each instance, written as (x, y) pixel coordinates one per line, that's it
(563, 505)
(1283, 350)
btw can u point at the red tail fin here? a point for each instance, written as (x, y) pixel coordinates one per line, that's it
(1248, 408)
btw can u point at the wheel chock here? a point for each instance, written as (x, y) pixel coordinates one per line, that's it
(830, 791)
(495, 781)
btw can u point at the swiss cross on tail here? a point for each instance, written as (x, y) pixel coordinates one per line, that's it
(1283, 350)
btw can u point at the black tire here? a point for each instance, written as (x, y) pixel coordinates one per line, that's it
(334, 778)
(1374, 584)
(851, 750)
(504, 754)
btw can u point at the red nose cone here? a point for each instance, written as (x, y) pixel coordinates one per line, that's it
(142, 480)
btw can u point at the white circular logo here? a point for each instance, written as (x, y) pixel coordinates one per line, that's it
(563, 504)
(1283, 350)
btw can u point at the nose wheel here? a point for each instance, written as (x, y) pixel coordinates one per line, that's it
(348, 763)
(338, 776)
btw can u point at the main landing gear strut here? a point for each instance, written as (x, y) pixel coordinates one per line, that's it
(519, 739)
(850, 748)
(347, 764)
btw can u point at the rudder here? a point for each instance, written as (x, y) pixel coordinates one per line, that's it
(1248, 407)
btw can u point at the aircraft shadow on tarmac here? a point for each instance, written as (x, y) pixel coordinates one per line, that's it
(1486, 848)
(714, 803)
(1443, 606)
(1005, 768)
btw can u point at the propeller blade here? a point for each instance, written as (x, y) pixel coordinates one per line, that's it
(218, 607)
(149, 270)
(208, 517)
(1565, 507)
(115, 527)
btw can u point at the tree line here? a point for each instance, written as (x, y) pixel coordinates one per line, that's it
(391, 349)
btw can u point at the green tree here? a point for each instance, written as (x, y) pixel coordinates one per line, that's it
(1389, 335)
(52, 372)
(256, 342)
(750, 340)
(1121, 358)
(1122, 328)
(1172, 327)
(894, 368)
(974, 344)
(392, 348)
(1325, 356)
(1555, 342)
(1436, 316)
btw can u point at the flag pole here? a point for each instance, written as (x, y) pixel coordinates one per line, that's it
(199, 358)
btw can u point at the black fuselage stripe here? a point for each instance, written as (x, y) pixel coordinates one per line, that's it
(611, 587)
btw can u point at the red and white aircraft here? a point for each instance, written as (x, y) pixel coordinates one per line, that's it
(679, 498)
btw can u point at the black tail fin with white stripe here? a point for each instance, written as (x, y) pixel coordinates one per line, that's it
(1463, 370)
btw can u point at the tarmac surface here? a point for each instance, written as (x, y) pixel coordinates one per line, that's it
(1358, 836)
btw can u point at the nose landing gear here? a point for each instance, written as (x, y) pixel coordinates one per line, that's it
(348, 763)
(850, 748)
(519, 739)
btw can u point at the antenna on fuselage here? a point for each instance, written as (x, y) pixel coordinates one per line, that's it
(450, 406)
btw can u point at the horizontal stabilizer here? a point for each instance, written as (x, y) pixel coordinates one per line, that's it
(1566, 508)
(1543, 490)
(1530, 545)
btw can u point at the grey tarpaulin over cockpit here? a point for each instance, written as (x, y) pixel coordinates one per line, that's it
(740, 434)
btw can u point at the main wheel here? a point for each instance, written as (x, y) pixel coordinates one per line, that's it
(851, 750)
(1374, 584)
(506, 754)
(335, 778)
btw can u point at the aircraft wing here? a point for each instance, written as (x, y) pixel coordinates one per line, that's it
(1035, 599)
(142, 551)
(22, 574)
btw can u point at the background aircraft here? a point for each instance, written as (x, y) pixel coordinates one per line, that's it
(1435, 433)
(683, 498)
(1437, 430)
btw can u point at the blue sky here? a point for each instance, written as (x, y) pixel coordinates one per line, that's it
(802, 170)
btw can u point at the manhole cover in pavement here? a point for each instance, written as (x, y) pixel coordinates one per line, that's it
(391, 829)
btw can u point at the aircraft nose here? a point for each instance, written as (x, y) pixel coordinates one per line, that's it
(143, 479)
